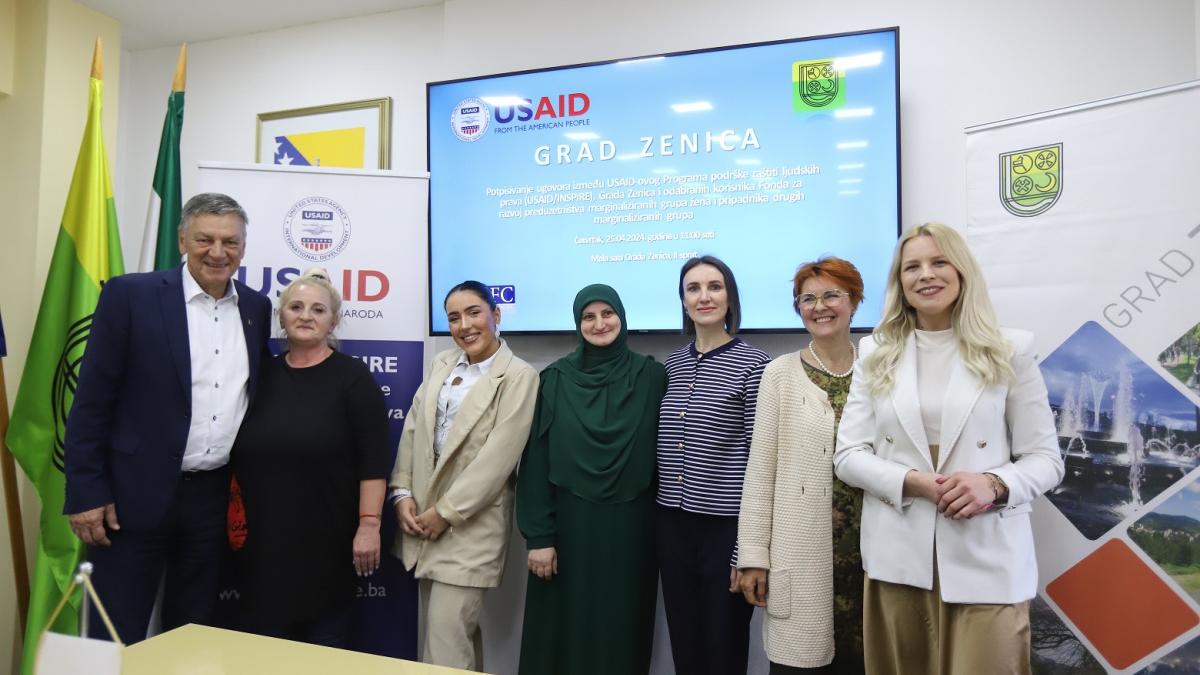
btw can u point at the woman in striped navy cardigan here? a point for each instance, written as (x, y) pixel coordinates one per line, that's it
(703, 443)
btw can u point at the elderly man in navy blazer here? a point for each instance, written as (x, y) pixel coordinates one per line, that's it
(169, 371)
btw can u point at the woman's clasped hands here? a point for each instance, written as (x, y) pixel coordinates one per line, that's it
(958, 496)
(427, 525)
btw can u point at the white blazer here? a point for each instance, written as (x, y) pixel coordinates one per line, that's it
(1005, 429)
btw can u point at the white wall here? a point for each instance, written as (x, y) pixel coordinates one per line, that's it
(961, 64)
(232, 80)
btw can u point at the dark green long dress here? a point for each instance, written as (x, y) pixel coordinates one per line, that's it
(586, 487)
(847, 561)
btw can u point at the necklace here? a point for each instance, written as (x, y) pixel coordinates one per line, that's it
(821, 364)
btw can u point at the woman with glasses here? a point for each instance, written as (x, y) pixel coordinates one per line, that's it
(948, 430)
(703, 443)
(798, 527)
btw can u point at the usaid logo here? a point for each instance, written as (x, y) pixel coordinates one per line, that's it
(504, 295)
(574, 104)
(316, 229)
(469, 119)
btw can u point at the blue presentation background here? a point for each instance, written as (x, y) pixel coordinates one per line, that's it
(763, 244)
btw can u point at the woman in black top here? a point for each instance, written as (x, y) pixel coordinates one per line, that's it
(311, 459)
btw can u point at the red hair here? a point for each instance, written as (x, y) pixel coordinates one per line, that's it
(839, 271)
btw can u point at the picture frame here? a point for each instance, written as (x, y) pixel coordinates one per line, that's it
(354, 134)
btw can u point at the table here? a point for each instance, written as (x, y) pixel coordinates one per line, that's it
(203, 650)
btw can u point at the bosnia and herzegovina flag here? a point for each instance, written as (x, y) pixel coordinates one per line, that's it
(160, 247)
(336, 147)
(86, 255)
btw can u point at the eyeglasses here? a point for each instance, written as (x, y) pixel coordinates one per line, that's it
(830, 298)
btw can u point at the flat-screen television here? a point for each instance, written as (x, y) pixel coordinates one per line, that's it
(764, 155)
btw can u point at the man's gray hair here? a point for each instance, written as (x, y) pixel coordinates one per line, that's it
(211, 204)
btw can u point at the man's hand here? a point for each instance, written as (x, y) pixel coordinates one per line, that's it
(432, 524)
(89, 525)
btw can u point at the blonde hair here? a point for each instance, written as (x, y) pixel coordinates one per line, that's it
(315, 276)
(983, 349)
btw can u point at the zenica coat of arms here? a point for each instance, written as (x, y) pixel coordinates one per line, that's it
(1031, 179)
(817, 86)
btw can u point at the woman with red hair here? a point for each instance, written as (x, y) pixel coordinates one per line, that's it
(798, 527)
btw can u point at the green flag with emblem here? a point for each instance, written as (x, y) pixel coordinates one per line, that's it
(86, 254)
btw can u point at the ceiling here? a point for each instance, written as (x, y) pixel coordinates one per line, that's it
(147, 24)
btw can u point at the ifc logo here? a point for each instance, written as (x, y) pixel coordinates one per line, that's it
(504, 295)
(469, 119)
(316, 229)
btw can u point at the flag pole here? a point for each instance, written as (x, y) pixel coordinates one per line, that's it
(98, 61)
(12, 508)
(180, 81)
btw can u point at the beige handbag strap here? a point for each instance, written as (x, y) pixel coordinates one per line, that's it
(91, 591)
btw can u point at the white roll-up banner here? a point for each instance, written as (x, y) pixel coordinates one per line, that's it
(1087, 223)
(368, 229)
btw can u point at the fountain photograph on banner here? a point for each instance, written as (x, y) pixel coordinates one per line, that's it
(1126, 434)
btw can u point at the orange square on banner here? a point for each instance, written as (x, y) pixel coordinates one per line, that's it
(1123, 608)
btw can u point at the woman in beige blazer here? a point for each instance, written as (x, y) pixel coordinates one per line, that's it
(948, 430)
(453, 481)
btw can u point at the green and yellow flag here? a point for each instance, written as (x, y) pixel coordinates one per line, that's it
(86, 255)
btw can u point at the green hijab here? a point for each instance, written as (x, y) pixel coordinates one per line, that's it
(602, 405)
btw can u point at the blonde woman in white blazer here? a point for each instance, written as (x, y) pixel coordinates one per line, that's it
(948, 430)
(454, 475)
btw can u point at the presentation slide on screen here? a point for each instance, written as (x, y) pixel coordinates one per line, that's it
(765, 156)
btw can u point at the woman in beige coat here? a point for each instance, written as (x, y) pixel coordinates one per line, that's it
(798, 526)
(453, 481)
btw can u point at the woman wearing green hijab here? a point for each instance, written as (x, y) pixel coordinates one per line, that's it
(585, 501)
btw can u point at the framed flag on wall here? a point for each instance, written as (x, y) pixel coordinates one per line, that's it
(355, 135)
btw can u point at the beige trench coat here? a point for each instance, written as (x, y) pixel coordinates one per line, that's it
(471, 485)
